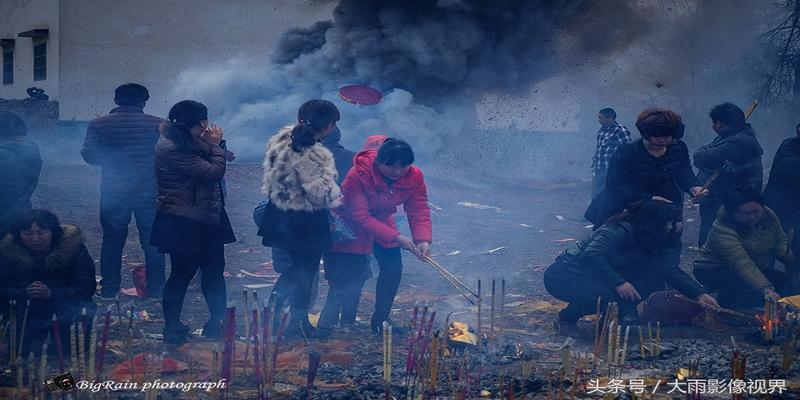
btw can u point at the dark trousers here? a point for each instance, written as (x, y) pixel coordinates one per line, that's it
(581, 291)
(346, 274)
(390, 262)
(598, 181)
(210, 260)
(708, 213)
(282, 262)
(115, 216)
(294, 285)
(734, 292)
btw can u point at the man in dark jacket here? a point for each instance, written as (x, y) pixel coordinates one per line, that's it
(20, 165)
(736, 154)
(123, 144)
(783, 191)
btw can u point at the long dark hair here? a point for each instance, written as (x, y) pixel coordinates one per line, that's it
(313, 116)
(649, 219)
(183, 116)
(44, 218)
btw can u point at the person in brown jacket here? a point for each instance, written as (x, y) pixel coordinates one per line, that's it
(738, 259)
(191, 223)
(123, 144)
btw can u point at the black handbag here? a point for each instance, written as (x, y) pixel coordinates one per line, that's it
(295, 231)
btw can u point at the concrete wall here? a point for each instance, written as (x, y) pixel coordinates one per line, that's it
(23, 15)
(106, 43)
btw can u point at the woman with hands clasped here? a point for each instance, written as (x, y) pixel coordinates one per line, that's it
(191, 224)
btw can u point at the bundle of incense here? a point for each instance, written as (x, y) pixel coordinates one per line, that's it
(650, 339)
(256, 355)
(73, 346)
(57, 338)
(13, 334)
(104, 343)
(43, 362)
(92, 348)
(267, 339)
(611, 341)
(410, 343)
(463, 289)
(277, 346)
(313, 366)
(386, 351)
(479, 328)
(434, 362)
(246, 317)
(658, 338)
(229, 342)
(625, 345)
(82, 344)
(491, 312)
(618, 345)
(24, 325)
(641, 344)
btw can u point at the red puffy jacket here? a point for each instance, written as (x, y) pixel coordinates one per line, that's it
(370, 203)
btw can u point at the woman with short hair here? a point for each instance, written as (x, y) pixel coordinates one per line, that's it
(655, 167)
(46, 263)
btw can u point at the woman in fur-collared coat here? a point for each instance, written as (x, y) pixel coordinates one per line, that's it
(300, 184)
(47, 264)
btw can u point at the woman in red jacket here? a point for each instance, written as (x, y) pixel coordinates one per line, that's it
(378, 182)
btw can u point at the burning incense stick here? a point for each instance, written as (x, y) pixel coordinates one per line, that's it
(24, 325)
(256, 356)
(641, 344)
(13, 334)
(452, 278)
(73, 346)
(82, 344)
(385, 351)
(611, 341)
(43, 362)
(658, 338)
(92, 348)
(276, 345)
(491, 313)
(57, 338)
(625, 344)
(246, 314)
(104, 342)
(478, 328)
(434, 362)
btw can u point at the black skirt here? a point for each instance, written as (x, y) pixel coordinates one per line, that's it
(296, 231)
(173, 234)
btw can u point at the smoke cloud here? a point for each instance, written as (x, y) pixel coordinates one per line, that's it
(482, 86)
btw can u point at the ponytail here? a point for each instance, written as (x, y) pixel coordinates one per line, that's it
(183, 116)
(181, 135)
(313, 116)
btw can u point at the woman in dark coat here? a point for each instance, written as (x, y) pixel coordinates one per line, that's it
(626, 260)
(300, 183)
(191, 224)
(47, 264)
(783, 191)
(655, 167)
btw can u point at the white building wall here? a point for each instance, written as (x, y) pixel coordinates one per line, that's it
(107, 43)
(23, 15)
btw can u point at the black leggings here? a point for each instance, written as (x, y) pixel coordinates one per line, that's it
(346, 274)
(211, 262)
(390, 262)
(294, 284)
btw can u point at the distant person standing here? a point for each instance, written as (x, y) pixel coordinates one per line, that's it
(123, 144)
(783, 191)
(736, 154)
(20, 165)
(610, 137)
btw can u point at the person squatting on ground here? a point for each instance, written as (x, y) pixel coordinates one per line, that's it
(191, 224)
(300, 185)
(610, 137)
(378, 182)
(625, 261)
(343, 158)
(47, 264)
(123, 144)
(20, 165)
(783, 192)
(736, 154)
(655, 167)
(738, 259)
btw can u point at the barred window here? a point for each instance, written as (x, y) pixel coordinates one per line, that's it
(40, 62)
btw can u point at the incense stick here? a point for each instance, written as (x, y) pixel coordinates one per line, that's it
(24, 325)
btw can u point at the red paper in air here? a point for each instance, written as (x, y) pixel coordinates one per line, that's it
(360, 94)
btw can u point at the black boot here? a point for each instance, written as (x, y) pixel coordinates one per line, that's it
(177, 333)
(213, 329)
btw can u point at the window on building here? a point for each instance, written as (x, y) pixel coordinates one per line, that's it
(40, 62)
(8, 66)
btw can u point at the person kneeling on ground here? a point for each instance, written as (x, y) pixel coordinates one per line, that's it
(47, 264)
(626, 260)
(738, 259)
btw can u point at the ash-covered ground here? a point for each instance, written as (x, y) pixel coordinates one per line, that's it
(532, 222)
